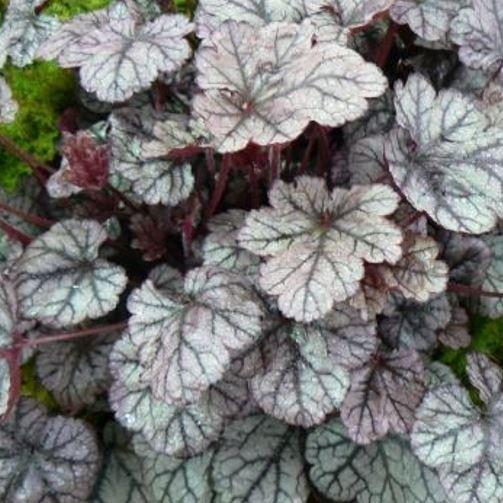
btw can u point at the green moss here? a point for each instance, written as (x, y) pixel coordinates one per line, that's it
(186, 7)
(42, 91)
(66, 9)
(487, 337)
(32, 388)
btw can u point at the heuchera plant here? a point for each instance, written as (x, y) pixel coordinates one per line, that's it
(264, 228)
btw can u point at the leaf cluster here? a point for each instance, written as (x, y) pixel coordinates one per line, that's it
(262, 236)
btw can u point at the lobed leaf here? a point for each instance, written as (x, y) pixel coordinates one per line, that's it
(175, 480)
(175, 431)
(23, 31)
(192, 336)
(62, 281)
(44, 458)
(383, 396)
(477, 30)
(386, 470)
(447, 431)
(221, 247)
(259, 460)
(444, 158)
(153, 180)
(430, 19)
(414, 325)
(301, 383)
(318, 242)
(264, 85)
(120, 56)
(121, 478)
(75, 372)
(484, 375)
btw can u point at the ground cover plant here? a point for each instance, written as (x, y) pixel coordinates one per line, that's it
(258, 256)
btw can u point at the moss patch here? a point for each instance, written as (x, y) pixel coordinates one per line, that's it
(487, 337)
(66, 9)
(42, 91)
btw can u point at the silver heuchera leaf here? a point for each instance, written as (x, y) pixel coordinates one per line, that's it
(23, 31)
(334, 19)
(430, 19)
(70, 33)
(484, 482)
(174, 480)
(493, 281)
(447, 430)
(123, 56)
(301, 383)
(384, 471)
(383, 396)
(75, 372)
(468, 258)
(456, 335)
(169, 134)
(193, 334)
(212, 14)
(121, 478)
(445, 159)
(168, 429)
(221, 247)
(464, 445)
(259, 461)
(379, 119)
(44, 458)
(438, 374)
(477, 30)
(62, 281)
(5, 386)
(8, 105)
(318, 240)
(418, 275)
(485, 375)
(366, 161)
(155, 181)
(414, 325)
(265, 85)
